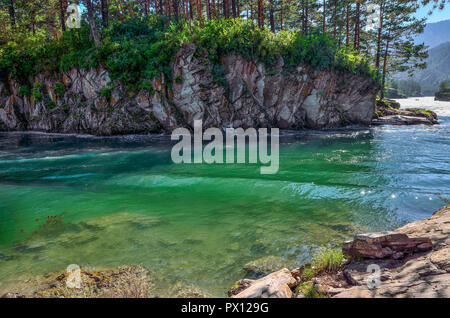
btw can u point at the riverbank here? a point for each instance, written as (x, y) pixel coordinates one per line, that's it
(412, 261)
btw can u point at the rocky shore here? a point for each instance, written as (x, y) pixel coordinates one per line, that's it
(412, 261)
(388, 112)
(443, 95)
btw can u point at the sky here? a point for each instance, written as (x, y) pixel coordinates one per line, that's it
(438, 15)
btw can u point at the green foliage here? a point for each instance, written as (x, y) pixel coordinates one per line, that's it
(147, 86)
(106, 92)
(444, 85)
(140, 49)
(310, 290)
(328, 260)
(50, 104)
(307, 273)
(178, 79)
(24, 91)
(59, 89)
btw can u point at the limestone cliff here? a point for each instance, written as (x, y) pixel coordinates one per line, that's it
(247, 95)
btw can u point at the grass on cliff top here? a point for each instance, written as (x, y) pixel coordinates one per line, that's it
(142, 48)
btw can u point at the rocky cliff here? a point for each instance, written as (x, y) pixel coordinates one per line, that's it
(242, 94)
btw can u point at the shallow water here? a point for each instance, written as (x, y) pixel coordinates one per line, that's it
(120, 200)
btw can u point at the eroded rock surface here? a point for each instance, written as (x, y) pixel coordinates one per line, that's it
(275, 285)
(88, 101)
(385, 244)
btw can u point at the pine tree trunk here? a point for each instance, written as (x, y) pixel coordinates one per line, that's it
(260, 14)
(213, 8)
(92, 26)
(62, 10)
(175, 5)
(383, 81)
(347, 30)
(380, 32)
(199, 10)
(12, 15)
(281, 16)
(324, 17)
(226, 8)
(335, 19)
(271, 18)
(304, 17)
(208, 10)
(105, 13)
(357, 26)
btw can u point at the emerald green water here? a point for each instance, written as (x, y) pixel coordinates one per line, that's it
(124, 202)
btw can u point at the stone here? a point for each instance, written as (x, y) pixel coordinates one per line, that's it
(402, 120)
(275, 285)
(384, 244)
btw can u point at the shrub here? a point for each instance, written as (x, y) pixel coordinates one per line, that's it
(310, 290)
(24, 91)
(59, 89)
(106, 92)
(444, 85)
(328, 260)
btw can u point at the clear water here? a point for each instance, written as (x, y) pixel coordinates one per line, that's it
(123, 201)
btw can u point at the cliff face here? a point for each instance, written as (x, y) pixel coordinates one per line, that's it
(245, 95)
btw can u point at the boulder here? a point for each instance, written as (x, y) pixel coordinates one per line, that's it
(275, 285)
(385, 244)
(402, 120)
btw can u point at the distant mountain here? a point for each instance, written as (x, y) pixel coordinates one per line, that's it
(434, 34)
(437, 71)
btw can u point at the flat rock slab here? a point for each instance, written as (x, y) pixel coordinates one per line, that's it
(420, 274)
(402, 120)
(275, 285)
(385, 244)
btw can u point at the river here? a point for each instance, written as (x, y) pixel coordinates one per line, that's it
(102, 202)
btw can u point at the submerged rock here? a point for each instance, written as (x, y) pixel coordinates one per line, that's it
(128, 281)
(182, 290)
(267, 265)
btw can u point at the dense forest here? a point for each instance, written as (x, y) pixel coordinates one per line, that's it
(136, 39)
